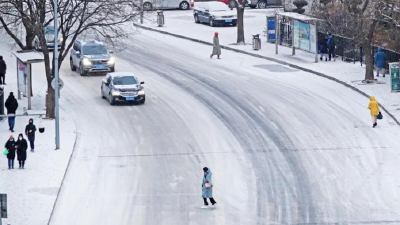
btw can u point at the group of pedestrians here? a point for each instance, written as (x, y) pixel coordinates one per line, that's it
(20, 146)
(327, 48)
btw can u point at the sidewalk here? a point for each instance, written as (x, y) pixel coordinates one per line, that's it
(31, 192)
(182, 23)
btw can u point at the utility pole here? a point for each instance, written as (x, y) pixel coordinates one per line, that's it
(56, 75)
(141, 14)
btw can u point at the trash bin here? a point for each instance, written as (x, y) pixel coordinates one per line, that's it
(256, 42)
(160, 18)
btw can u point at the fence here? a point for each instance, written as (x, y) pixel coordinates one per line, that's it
(350, 51)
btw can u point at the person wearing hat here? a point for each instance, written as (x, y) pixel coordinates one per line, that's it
(12, 106)
(3, 69)
(22, 146)
(216, 47)
(207, 187)
(30, 131)
(10, 146)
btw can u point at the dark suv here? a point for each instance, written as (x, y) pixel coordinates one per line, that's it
(91, 57)
(262, 4)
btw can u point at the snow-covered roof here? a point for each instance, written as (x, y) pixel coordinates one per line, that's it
(29, 56)
(297, 16)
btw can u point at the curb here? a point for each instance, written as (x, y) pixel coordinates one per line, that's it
(65, 174)
(273, 60)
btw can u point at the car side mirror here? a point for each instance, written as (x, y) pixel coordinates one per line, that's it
(142, 82)
(111, 51)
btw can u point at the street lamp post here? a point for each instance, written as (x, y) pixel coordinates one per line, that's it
(56, 75)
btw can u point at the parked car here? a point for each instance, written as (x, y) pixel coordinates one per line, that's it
(50, 37)
(214, 13)
(167, 4)
(262, 4)
(122, 87)
(91, 57)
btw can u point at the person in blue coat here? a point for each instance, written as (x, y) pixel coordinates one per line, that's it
(207, 187)
(380, 59)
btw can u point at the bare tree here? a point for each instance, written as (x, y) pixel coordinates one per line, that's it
(240, 6)
(108, 19)
(357, 19)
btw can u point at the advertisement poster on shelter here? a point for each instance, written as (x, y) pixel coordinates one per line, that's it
(22, 78)
(301, 35)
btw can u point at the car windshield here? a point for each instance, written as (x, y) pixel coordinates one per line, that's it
(94, 50)
(126, 80)
(49, 30)
(219, 7)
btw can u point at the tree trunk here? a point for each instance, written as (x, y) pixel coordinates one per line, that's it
(369, 62)
(240, 26)
(50, 102)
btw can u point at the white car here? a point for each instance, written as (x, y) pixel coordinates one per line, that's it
(214, 13)
(122, 87)
(167, 4)
(49, 36)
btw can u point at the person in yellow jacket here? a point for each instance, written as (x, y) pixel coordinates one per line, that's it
(374, 108)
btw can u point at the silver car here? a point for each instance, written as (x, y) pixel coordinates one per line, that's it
(167, 4)
(122, 87)
(49, 36)
(91, 57)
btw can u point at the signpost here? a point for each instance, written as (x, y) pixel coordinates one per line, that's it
(394, 69)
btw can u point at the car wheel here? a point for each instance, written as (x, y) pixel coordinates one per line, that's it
(71, 64)
(211, 22)
(113, 69)
(184, 5)
(101, 91)
(262, 4)
(232, 4)
(253, 6)
(82, 71)
(196, 18)
(147, 6)
(112, 100)
(143, 100)
(234, 24)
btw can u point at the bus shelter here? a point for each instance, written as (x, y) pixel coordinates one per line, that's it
(25, 59)
(297, 31)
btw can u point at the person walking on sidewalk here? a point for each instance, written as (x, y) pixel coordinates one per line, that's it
(331, 47)
(10, 146)
(374, 108)
(12, 106)
(30, 131)
(22, 146)
(207, 187)
(380, 59)
(323, 49)
(216, 47)
(3, 69)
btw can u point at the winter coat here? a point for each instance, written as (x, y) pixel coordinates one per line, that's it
(207, 192)
(331, 42)
(3, 67)
(216, 46)
(10, 145)
(373, 106)
(324, 47)
(380, 58)
(22, 146)
(30, 130)
(11, 104)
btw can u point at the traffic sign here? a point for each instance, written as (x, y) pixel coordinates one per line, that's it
(60, 83)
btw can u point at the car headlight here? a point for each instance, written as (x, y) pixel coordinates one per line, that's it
(86, 62)
(115, 92)
(111, 61)
(141, 92)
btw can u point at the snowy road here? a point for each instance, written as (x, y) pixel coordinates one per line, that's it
(285, 147)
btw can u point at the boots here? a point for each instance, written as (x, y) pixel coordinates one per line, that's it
(375, 124)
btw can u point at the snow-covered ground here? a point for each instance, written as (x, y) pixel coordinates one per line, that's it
(32, 192)
(182, 23)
